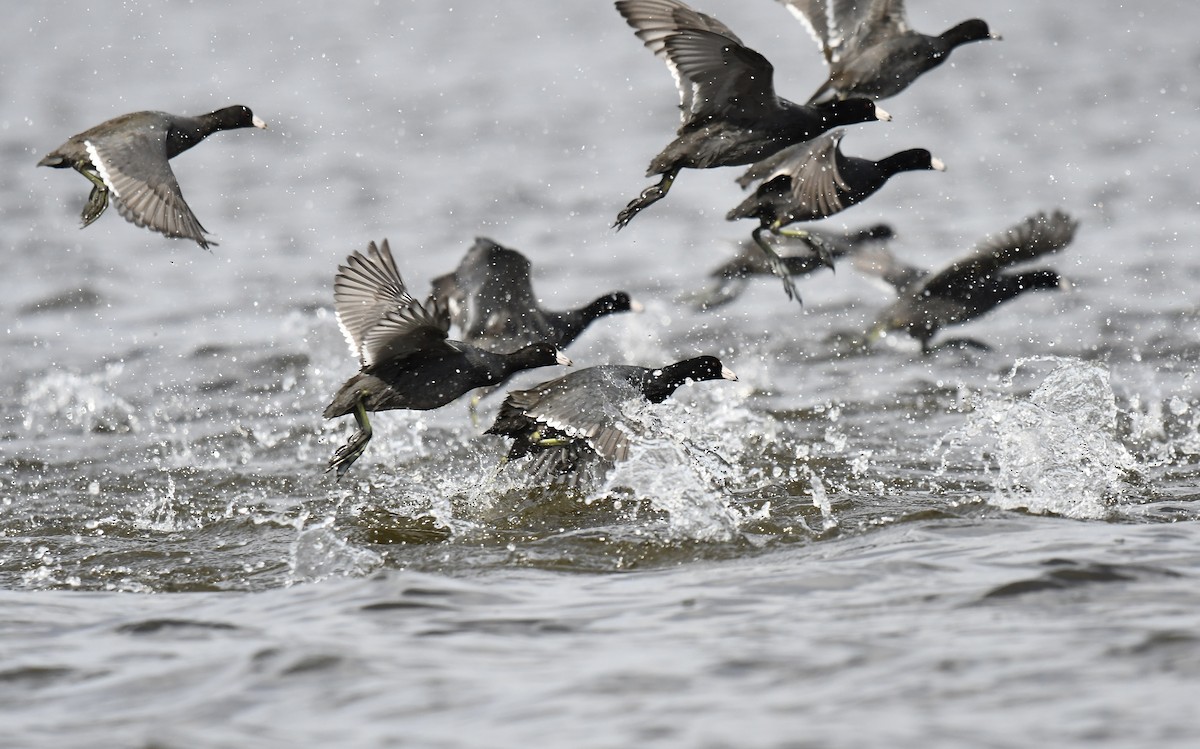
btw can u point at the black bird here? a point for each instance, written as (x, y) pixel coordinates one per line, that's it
(127, 157)
(490, 297)
(815, 180)
(575, 424)
(970, 286)
(407, 360)
(730, 278)
(870, 48)
(731, 114)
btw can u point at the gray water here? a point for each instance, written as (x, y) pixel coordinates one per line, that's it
(842, 549)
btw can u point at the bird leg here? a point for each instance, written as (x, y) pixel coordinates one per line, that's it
(816, 243)
(548, 441)
(473, 409)
(960, 343)
(97, 201)
(778, 267)
(355, 447)
(476, 399)
(876, 334)
(718, 293)
(649, 197)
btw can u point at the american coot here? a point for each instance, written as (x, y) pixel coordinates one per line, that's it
(870, 48)
(970, 286)
(730, 279)
(491, 299)
(407, 360)
(815, 180)
(731, 114)
(127, 156)
(573, 423)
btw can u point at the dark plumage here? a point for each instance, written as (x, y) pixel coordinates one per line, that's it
(575, 423)
(127, 156)
(407, 360)
(731, 277)
(970, 286)
(816, 180)
(870, 48)
(731, 114)
(490, 297)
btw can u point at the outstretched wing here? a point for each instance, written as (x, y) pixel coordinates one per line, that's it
(817, 178)
(571, 465)
(814, 15)
(405, 331)
(707, 64)
(655, 20)
(724, 75)
(872, 22)
(877, 261)
(592, 412)
(375, 311)
(813, 176)
(841, 26)
(1035, 236)
(136, 172)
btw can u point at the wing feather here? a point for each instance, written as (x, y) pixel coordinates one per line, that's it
(143, 187)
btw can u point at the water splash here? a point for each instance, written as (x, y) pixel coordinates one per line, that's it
(84, 402)
(821, 501)
(320, 552)
(689, 458)
(161, 511)
(1056, 449)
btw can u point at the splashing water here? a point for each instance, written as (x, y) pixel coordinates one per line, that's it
(821, 501)
(319, 552)
(688, 459)
(83, 402)
(1057, 449)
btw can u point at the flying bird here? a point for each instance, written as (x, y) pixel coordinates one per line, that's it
(575, 425)
(970, 286)
(870, 48)
(816, 180)
(127, 158)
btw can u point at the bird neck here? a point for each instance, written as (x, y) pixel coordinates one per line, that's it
(660, 384)
(973, 30)
(187, 133)
(605, 305)
(905, 161)
(1037, 280)
(844, 112)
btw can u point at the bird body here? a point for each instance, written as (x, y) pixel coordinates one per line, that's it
(431, 377)
(816, 180)
(491, 299)
(127, 157)
(811, 181)
(922, 314)
(574, 420)
(740, 140)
